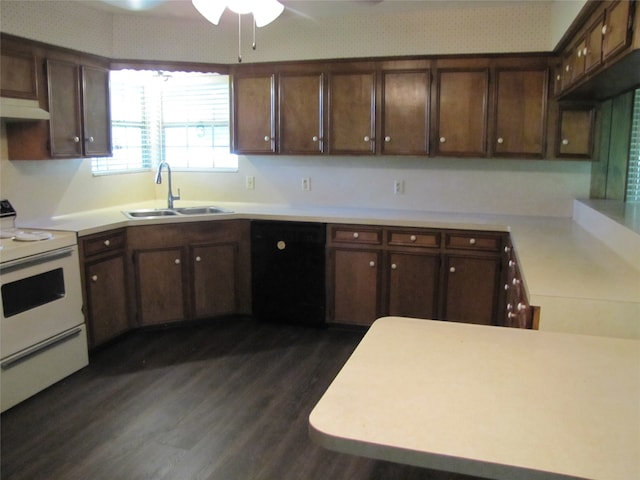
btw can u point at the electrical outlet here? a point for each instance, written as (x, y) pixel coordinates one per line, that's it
(306, 184)
(250, 182)
(398, 187)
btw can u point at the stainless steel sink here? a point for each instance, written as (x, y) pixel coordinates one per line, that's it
(150, 213)
(200, 210)
(168, 212)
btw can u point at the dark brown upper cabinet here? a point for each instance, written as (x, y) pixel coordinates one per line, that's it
(253, 114)
(405, 112)
(521, 112)
(301, 124)
(461, 112)
(352, 113)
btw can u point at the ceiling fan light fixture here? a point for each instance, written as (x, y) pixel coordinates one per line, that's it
(266, 11)
(210, 9)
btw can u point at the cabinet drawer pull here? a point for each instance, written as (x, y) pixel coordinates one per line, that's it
(521, 306)
(567, 68)
(198, 259)
(267, 138)
(604, 30)
(90, 139)
(107, 243)
(372, 263)
(443, 139)
(94, 278)
(506, 287)
(367, 138)
(452, 269)
(565, 141)
(507, 249)
(177, 261)
(512, 315)
(413, 238)
(315, 138)
(472, 241)
(394, 266)
(512, 263)
(76, 139)
(387, 139)
(500, 140)
(356, 234)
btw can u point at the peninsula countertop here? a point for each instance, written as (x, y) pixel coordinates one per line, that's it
(580, 284)
(489, 401)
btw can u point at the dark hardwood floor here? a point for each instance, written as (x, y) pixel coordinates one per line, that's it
(227, 400)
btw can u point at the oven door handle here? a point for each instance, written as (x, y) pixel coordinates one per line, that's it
(38, 259)
(39, 348)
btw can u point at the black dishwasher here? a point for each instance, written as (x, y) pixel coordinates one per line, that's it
(287, 271)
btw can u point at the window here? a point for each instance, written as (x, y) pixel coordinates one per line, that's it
(633, 171)
(178, 117)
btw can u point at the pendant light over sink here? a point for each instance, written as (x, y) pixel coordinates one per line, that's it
(264, 12)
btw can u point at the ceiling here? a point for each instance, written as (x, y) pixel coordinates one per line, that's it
(305, 8)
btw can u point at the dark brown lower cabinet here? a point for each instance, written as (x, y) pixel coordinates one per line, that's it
(215, 279)
(354, 276)
(413, 284)
(470, 289)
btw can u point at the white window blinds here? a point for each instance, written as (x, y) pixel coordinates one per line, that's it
(178, 117)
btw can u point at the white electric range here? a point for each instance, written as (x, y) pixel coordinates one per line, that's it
(42, 333)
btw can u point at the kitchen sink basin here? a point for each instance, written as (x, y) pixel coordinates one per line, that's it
(169, 212)
(158, 212)
(200, 210)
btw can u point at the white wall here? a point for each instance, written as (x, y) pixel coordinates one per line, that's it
(40, 189)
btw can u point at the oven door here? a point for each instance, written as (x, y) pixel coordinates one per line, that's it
(41, 298)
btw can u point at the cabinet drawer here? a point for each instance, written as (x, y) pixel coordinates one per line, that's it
(474, 241)
(106, 242)
(356, 234)
(407, 238)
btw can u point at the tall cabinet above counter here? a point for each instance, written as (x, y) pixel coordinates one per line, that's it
(73, 87)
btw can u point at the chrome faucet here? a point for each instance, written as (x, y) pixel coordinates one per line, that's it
(170, 197)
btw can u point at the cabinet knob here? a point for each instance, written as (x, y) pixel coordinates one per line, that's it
(515, 282)
(579, 53)
(367, 138)
(500, 140)
(472, 241)
(372, 263)
(558, 77)
(585, 51)
(198, 259)
(512, 315)
(565, 141)
(509, 307)
(315, 138)
(413, 238)
(443, 139)
(512, 263)
(567, 68)
(521, 306)
(76, 139)
(267, 138)
(506, 287)
(107, 243)
(604, 30)
(387, 139)
(177, 261)
(507, 249)
(452, 269)
(356, 234)
(394, 266)
(94, 278)
(90, 139)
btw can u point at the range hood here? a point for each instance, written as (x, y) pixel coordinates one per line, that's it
(20, 110)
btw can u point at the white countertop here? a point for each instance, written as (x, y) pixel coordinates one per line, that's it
(581, 284)
(489, 401)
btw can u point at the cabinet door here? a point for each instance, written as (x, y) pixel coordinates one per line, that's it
(160, 285)
(215, 278)
(96, 112)
(106, 288)
(413, 284)
(355, 280)
(471, 289)
(578, 62)
(405, 113)
(352, 113)
(300, 110)
(521, 100)
(254, 114)
(18, 74)
(64, 109)
(593, 57)
(575, 136)
(462, 112)
(616, 29)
